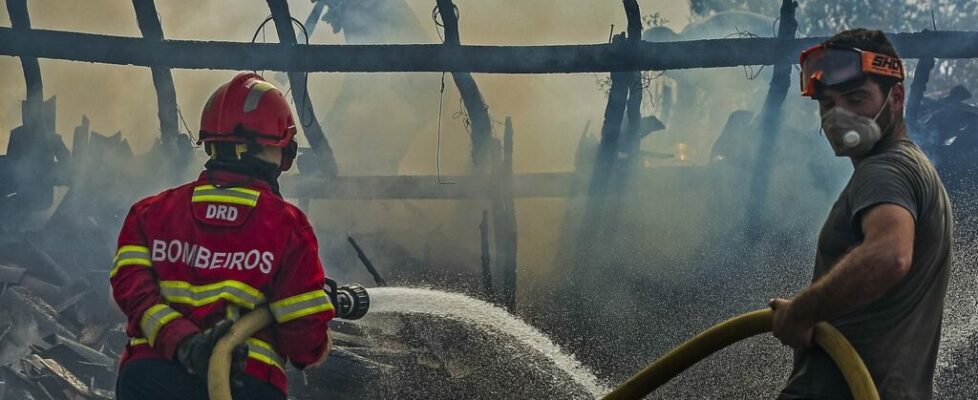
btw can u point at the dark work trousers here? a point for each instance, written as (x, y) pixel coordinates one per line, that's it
(167, 380)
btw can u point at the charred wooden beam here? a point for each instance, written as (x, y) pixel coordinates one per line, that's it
(314, 16)
(504, 220)
(608, 175)
(298, 83)
(426, 187)
(166, 94)
(20, 21)
(917, 88)
(486, 258)
(468, 89)
(633, 107)
(614, 113)
(190, 54)
(770, 125)
(378, 279)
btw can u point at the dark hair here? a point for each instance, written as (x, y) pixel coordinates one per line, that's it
(868, 40)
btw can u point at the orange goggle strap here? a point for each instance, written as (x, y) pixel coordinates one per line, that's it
(870, 63)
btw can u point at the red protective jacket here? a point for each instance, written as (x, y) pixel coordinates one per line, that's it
(214, 249)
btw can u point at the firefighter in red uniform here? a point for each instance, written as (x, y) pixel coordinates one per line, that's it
(193, 258)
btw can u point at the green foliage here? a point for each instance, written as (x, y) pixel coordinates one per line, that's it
(653, 20)
(827, 17)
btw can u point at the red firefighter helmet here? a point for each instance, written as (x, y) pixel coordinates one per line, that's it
(248, 109)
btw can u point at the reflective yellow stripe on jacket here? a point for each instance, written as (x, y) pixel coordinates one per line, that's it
(231, 195)
(263, 352)
(258, 350)
(239, 293)
(130, 255)
(154, 319)
(301, 305)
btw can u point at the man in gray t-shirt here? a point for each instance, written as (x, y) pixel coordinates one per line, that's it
(883, 254)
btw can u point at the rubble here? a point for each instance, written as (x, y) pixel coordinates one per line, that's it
(40, 357)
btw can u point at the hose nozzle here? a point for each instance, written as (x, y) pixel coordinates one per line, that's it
(351, 301)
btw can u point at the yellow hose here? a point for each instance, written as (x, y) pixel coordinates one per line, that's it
(219, 369)
(652, 377)
(734, 330)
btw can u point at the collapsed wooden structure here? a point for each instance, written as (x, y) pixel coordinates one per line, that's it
(494, 179)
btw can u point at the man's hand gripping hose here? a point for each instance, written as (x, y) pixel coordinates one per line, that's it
(734, 330)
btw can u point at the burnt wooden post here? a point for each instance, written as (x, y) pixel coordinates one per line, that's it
(624, 96)
(633, 107)
(378, 278)
(486, 258)
(305, 114)
(614, 113)
(770, 126)
(20, 20)
(475, 104)
(166, 95)
(917, 88)
(504, 220)
(34, 147)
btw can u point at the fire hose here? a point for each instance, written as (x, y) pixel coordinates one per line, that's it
(647, 380)
(734, 330)
(351, 302)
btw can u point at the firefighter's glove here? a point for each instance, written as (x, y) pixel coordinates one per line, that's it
(194, 351)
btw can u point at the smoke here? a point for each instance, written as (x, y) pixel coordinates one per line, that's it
(675, 257)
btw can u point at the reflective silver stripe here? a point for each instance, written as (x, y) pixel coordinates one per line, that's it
(133, 255)
(255, 93)
(299, 306)
(233, 291)
(262, 351)
(154, 319)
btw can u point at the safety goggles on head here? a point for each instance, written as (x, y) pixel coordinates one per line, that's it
(831, 65)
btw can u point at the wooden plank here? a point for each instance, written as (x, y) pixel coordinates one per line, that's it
(426, 187)
(190, 54)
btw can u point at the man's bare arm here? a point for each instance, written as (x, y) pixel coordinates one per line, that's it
(867, 272)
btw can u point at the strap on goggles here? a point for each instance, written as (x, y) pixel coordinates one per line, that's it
(832, 65)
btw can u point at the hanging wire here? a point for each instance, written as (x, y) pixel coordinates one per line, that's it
(193, 140)
(190, 133)
(434, 18)
(305, 106)
(749, 71)
(435, 14)
(441, 97)
(261, 28)
(305, 83)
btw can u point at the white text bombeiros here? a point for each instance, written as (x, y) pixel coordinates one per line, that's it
(201, 257)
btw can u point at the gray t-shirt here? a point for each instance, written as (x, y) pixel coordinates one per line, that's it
(898, 334)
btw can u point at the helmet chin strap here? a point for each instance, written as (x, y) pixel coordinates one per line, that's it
(249, 166)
